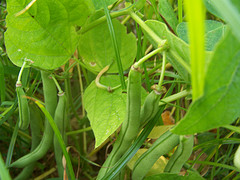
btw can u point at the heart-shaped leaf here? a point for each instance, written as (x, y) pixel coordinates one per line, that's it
(45, 33)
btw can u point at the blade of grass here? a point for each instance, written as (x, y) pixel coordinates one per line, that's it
(10, 112)
(232, 128)
(2, 83)
(4, 172)
(216, 155)
(59, 137)
(215, 164)
(115, 45)
(12, 144)
(196, 16)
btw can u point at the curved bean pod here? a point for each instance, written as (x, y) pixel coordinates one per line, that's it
(36, 119)
(50, 96)
(131, 124)
(59, 119)
(181, 155)
(161, 146)
(24, 113)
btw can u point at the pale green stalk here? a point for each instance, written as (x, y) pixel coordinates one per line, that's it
(196, 28)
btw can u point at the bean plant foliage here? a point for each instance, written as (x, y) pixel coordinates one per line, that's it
(130, 66)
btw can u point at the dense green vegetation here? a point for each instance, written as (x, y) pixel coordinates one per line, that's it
(114, 89)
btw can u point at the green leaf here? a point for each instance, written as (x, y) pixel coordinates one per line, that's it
(4, 172)
(210, 7)
(220, 103)
(191, 175)
(166, 10)
(106, 111)
(97, 50)
(214, 31)
(45, 33)
(176, 44)
(98, 4)
(230, 10)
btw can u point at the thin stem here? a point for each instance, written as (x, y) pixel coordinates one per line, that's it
(83, 110)
(115, 45)
(160, 42)
(81, 88)
(180, 11)
(26, 8)
(60, 91)
(143, 59)
(97, 81)
(125, 19)
(174, 97)
(180, 60)
(163, 70)
(79, 131)
(83, 65)
(103, 19)
(19, 83)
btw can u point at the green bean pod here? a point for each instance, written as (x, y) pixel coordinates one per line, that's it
(36, 119)
(24, 113)
(161, 146)
(181, 155)
(130, 127)
(59, 118)
(50, 96)
(150, 106)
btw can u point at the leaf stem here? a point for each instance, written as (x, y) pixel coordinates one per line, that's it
(163, 70)
(60, 91)
(79, 131)
(97, 80)
(146, 57)
(19, 83)
(175, 97)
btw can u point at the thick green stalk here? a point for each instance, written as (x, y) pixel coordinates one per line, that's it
(196, 28)
(149, 31)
